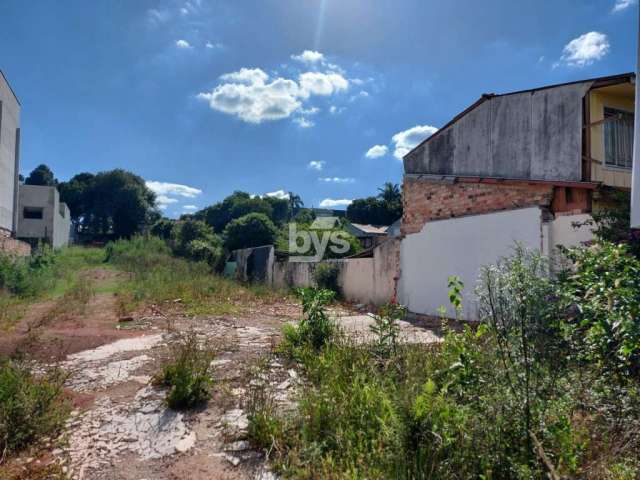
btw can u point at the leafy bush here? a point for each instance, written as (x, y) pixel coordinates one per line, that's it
(252, 230)
(315, 329)
(139, 253)
(326, 276)
(510, 399)
(195, 240)
(30, 407)
(386, 330)
(602, 299)
(163, 228)
(187, 373)
(27, 276)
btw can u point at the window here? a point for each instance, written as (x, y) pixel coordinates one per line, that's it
(32, 213)
(618, 138)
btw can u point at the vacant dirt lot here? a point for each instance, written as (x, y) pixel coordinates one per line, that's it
(119, 427)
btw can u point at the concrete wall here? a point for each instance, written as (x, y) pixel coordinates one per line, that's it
(534, 134)
(9, 155)
(55, 224)
(563, 231)
(462, 246)
(362, 280)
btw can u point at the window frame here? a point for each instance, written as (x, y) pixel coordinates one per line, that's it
(605, 164)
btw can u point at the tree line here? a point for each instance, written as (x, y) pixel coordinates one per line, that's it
(118, 204)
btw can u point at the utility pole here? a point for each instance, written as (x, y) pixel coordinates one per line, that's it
(635, 174)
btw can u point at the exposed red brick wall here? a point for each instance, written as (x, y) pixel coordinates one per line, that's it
(14, 247)
(427, 200)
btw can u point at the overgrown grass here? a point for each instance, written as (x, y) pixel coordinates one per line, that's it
(187, 372)
(158, 277)
(508, 400)
(47, 274)
(31, 406)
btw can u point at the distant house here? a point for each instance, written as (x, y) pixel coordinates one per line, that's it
(326, 223)
(42, 216)
(368, 235)
(516, 167)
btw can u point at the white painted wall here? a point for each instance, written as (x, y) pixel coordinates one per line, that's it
(562, 232)
(460, 246)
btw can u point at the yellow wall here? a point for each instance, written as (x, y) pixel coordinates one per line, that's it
(621, 97)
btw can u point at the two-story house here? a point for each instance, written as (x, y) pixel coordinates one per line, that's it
(517, 167)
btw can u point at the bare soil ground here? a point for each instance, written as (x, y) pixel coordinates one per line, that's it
(120, 427)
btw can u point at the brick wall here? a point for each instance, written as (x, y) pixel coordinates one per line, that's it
(426, 200)
(14, 247)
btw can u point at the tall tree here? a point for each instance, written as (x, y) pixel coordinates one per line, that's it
(295, 204)
(390, 193)
(41, 175)
(115, 203)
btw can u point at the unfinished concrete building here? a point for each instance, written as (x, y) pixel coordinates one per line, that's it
(9, 157)
(517, 167)
(43, 217)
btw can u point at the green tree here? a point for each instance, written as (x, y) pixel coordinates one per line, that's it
(41, 175)
(295, 204)
(390, 193)
(75, 194)
(252, 230)
(115, 203)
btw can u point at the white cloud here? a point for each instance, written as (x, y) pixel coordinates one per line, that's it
(377, 151)
(316, 165)
(248, 76)
(304, 122)
(172, 189)
(318, 83)
(332, 203)
(584, 50)
(253, 96)
(212, 46)
(622, 5)
(183, 44)
(163, 201)
(333, 110)
(281, 194)
(336, 179)
(309, 57)
(405, 141)
(190, 208)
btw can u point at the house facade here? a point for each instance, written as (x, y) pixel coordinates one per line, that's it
(42, 216)
(519, 167)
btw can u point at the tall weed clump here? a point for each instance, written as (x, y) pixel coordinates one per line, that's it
(534, 391)
(30, 406)
(316, 328)
(187, 373)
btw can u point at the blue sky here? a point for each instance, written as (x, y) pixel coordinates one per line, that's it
(204, 97)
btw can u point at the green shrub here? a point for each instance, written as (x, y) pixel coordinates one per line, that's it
(163, 228)
(27, 276)
(195, 240)
(386, 330)
(602, 298)
(315, 329)
(326, 276)
(252, 230)
(30, 406)
(187, 373)
(139, 253)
